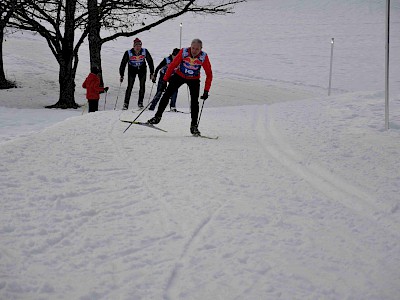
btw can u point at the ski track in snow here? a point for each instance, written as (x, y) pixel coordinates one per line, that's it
(186, 250)
(175, 289)
(158, 195)
(321, 179)
(185, 218)
(191, 234)
(143, 177)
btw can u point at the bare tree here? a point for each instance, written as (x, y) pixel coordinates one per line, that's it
(126, 18)
(59, 20)
(56, 21)
(7, 9)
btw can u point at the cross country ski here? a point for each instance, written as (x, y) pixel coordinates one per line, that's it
(205, 137)
(143, 124)
(179, 111)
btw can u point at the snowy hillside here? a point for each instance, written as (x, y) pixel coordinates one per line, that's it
(298, 198)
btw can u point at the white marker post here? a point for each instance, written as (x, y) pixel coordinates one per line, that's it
(180, 36)
(330, 70)
(387, 65)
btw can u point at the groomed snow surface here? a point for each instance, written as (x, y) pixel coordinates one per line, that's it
(297, 199)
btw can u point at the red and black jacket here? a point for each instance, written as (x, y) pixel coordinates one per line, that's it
(189, 67)
(92, 86)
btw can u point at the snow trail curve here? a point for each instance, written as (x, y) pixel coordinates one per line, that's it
(320, 178)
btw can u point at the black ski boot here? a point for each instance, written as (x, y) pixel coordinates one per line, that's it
(154, 120)
(194, 130)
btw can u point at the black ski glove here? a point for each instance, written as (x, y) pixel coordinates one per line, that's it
(205, 95)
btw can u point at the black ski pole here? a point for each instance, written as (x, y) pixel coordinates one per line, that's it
(149, 98)
(190, 106)
(115, 106)
(198, 121)
(105, 101)
(148, 104)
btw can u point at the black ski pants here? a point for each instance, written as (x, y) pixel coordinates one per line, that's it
(174, 84)
(141, 73)
(93, 105)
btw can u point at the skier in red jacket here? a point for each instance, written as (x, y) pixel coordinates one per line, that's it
(185, 68)
(93, 89)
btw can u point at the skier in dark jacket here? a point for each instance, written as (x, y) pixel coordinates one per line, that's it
(162, 67)
(185, 68)
(93, 89)
(136, 59)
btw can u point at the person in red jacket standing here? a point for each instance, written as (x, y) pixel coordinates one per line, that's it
(185, 68)
(93, 89)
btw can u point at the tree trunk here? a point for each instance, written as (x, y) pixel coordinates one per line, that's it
(4, 83)
(66, 61)
(2, 75)
(94, 38)
(66, 79)
(7, 10)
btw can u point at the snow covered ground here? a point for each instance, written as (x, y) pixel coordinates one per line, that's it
(297, 199)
